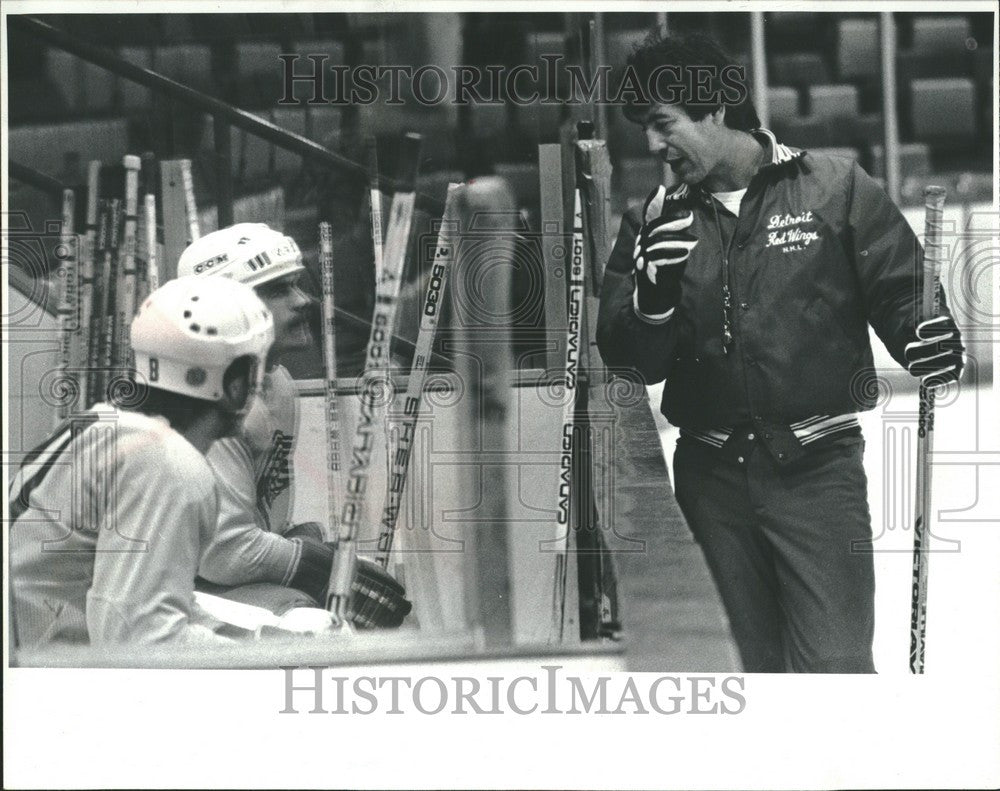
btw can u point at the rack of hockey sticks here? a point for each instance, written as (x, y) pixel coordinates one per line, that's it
(108, 266)
(376, 384)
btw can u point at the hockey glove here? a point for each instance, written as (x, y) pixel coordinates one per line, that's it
(660, 256)
(377, 600)
(937, 355)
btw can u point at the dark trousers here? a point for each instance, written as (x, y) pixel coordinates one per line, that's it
(781, 543)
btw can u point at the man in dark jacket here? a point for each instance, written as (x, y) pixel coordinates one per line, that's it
(748, 288)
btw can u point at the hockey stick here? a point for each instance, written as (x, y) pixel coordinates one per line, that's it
(574, 314)
(149, 219)
(112, 299)
(444, 254)
(375, 195)
(69, 304)
(333, 468)
(930, 305)
(85, 337)
(126, 301)
(191, 209)
(376, 358)
(102, 273)
(597, 584)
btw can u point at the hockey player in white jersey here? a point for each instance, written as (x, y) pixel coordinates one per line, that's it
(257, 555)
(110, 515)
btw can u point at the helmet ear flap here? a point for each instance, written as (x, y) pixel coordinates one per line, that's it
(240, 382)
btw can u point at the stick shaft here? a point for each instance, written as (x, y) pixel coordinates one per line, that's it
(149, 171)
(375, 196)
(444, 254)
(112, 298)
(191, 209)
(933, 255)
(333, 466)
(571, 371)
(69, 302)
(86, 337)
(126, 303)
(102, 261)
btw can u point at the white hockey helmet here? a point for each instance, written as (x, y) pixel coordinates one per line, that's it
(190, 330)
(249, 252)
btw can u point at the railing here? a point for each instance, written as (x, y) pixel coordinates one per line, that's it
(225, 116)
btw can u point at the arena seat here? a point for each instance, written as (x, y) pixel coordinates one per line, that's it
(806, 132)
(943, 108)
(940, 34)
(86, 88)
(857, 48)
(292, 119)
(538, 44)
(782, 102)
(914, 160)
(326, 46)
(132, 96)
(259, 73)
(333, 49)
(323, 123)
(23, 100)
(833, 101)
(47, 147)
(799, 69)
(256, 154)
(206, 148)
(864, 129)
(190, 64)
(789, 31)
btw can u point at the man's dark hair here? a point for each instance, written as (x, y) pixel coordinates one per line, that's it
(691, 58)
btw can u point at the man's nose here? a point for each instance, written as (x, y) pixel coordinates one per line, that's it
(300, 299)
(656, 141)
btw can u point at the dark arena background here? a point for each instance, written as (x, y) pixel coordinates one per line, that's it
(909, 96)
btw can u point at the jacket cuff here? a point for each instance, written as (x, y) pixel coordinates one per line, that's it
(656, 318)
(312, 572)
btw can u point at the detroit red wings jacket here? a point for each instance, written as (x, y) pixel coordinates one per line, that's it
(772, 326)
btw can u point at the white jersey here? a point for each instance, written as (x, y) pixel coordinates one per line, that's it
(108, 520)
(254, 478)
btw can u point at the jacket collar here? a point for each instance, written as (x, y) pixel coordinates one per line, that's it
(779, 153)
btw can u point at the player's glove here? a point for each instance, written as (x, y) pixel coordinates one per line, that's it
(937, 355)
(660, 256)
(377, 600)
